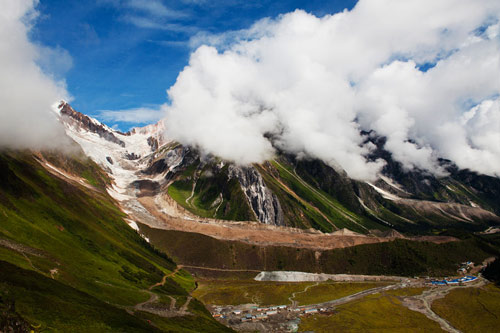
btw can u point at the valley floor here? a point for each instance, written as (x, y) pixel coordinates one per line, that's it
(247, 305)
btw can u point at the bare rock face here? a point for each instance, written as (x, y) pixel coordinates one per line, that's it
(173, 161)
(131, 156)
(88, 124)
(264, 203)
(153, 143)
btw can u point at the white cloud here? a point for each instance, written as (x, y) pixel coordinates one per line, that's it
(314, 83)
(153, 14)
(26, 92)
(155, 23)
(154, 8)
(143, 115)
(56, 61)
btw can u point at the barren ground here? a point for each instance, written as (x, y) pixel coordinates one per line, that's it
(257, 233)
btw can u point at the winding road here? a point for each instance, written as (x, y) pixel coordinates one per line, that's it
(153, 298)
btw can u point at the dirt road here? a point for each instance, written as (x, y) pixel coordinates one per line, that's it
(149, 305)
(220, 269)
(422, 303)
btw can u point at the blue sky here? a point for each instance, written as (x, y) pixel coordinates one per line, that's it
(124, 54)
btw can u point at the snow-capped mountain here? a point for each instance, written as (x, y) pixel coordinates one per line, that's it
(161, 183)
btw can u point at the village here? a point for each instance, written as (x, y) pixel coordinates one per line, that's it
(274, 318)
(286, 317)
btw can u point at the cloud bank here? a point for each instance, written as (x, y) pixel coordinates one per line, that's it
(423, 73)
(26, 92)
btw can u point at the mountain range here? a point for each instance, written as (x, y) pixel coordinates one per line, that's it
(70, 262)
(288, 191)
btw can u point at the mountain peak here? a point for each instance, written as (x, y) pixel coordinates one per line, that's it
(83, 122)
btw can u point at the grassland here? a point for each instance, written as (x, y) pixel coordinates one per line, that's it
(471, 309)
(328, 291)
(372, 313)
(235, 292)
(402, 292)
(231, 292)
(68, 260)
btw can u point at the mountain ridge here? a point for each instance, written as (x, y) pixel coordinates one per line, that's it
(287, 191)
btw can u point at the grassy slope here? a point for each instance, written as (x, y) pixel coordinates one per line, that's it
(313, 195)
(334, 211)
(471, 309)
(50, 305)
(400, 257)
(372, 313)
(330, 207)
(80, 232)
(297, 213)
(234, 292)
(209, 187)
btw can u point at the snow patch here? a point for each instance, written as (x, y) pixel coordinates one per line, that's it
(473, 204)
(132, 224)
(393, 183)
(384, 193)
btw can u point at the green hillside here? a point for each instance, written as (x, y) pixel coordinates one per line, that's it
(68, 260)
(208, 192)
(398, 257)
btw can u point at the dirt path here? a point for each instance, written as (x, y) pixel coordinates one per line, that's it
(356, 296)
(220, 269)
(172, 303)
(291, 298)
(142, 306)
(185, 306)
(422, 303)
(147, 306)
(30, 262)
(165, 277)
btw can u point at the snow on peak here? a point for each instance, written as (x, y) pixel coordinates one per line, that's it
(122, 155)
